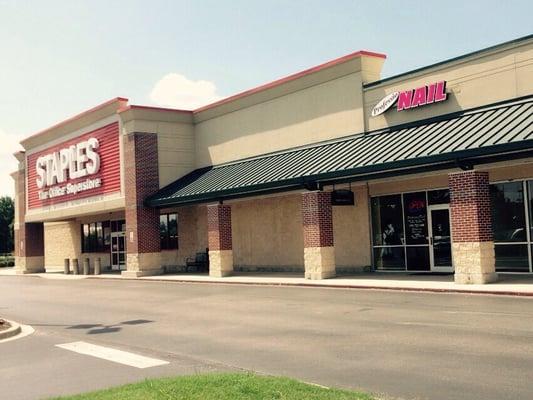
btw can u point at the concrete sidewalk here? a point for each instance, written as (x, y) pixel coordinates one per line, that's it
(508, 284)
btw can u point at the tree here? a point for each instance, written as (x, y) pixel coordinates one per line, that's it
(7, 213)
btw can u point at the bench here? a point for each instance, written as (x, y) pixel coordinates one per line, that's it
(200, 263)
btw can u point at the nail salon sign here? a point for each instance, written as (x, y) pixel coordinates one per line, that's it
(413, 98)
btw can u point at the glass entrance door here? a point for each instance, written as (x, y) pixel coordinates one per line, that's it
(118, 251)
(440, 238)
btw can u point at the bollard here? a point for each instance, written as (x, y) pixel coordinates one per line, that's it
(67, 266)
(75, 266)
(85, 266)
(97, 266)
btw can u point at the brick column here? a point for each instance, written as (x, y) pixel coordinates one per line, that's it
(29, 237)
(141, 176)
(472, 241)
(319, 251)
(219, 239)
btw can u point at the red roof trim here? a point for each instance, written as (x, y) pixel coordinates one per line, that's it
(134, 107)
(102, 105)
(292, 77)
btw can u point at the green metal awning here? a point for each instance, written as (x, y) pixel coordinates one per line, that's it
(496, 132)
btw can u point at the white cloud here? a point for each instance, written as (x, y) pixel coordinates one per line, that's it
(9, 144)
(177, 91)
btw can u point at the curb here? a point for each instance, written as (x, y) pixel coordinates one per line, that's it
(14, 330)
(324, 286)
(320, 286)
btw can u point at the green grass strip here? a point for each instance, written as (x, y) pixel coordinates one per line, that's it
(221, 387)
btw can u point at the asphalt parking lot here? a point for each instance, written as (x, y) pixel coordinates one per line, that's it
(403, 344)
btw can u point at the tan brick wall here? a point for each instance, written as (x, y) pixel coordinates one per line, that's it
(278, 242)
(351, 231)
(61, 240)
(268, 232)
(192, 236)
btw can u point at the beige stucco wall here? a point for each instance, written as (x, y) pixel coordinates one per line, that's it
(328, 110)
(408, 184)
(77, 208)
(519, 170)
(484, 78)
(502, 171)
(268, 232)
(175, 138)
(175, 143)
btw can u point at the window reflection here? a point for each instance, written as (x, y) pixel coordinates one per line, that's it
(168, 231)
(387, 224)
(508, 215)
(389, 258)
(511, 258)
(418, 258)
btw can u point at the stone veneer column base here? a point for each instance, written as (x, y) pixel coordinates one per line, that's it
(29, 265)
(474, 262)
(220, 263)
(142, 264)
(319, 262)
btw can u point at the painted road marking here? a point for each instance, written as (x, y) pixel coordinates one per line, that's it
(114, 355)
(437, 324)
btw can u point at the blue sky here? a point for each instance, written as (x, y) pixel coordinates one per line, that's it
(58, 58)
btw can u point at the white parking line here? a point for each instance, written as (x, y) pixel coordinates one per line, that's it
(114, 355)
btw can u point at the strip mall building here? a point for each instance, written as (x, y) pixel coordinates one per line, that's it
(328, 171)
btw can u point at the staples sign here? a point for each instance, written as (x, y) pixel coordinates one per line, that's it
(82, 167)
(413, 98)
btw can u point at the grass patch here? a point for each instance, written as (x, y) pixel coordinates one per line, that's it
(221, 387)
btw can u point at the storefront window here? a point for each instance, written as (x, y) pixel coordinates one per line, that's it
(387, 224)
(418, 258)
(389, 258)
(400, 228)
(401, 222)
(508, 213)
(530, 197)
(416, 218)
(510, 226)
(512, 258)
(93, 239)
(85, 238)
(118, 226)
(168, 231)
(440, 196)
